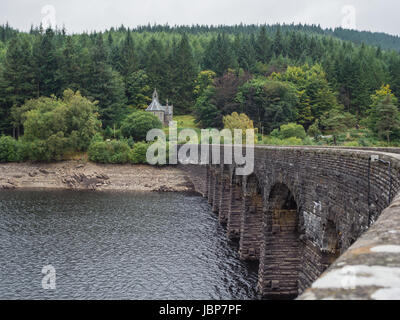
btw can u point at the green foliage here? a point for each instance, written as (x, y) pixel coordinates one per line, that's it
(313, 90)
(185, 122)
(46, 64)
(184, 75)
(237, 121)
(39, 150)
(138, 90)
(241, 122)
(293, 141)
(336, 121)
(292, 130)
(383, 115)
(386, 117)
(55, 126)
(10, 150)
(314, 130)
(106, 86)
(16, 80)
(116, 152)
(137, 124)
(351, 144)
(204, 80)
(311, 72)
(207, 113)
(219, 55)
(290, 134)
(269, 103)
(139, 153)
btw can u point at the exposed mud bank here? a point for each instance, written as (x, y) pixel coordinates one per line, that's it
(75, 175)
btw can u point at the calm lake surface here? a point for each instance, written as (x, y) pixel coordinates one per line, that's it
(107, 245)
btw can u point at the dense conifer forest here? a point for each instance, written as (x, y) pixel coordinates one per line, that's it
(328, 81)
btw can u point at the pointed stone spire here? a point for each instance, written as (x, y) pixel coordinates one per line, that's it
(155, 95)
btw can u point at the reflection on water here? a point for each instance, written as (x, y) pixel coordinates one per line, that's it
(117, 246)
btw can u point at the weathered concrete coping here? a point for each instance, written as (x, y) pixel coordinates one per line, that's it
(375, 149)
(370, 268)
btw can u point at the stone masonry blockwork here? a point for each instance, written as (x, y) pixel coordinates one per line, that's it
(304, 207)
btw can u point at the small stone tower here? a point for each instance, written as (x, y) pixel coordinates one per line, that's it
(164, 113)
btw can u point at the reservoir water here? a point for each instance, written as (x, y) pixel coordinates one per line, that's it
(108, 245)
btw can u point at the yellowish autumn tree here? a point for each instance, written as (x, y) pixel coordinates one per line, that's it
(381, 93)
(239, 121)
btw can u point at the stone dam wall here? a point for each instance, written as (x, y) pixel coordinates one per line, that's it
(324, 223)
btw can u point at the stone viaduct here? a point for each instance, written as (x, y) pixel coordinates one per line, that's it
(304, 207)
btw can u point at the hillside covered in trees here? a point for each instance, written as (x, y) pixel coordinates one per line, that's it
(275, 74)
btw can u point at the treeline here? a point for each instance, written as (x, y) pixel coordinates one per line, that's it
(120, 68)
(383, 40)
(69, 127)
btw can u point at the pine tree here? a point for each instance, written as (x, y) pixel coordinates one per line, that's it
(16, 80)
(106, 86)
(46, 65)
(138, 90)
(245, 53)
(70, 72)
(294, 46)
(263, 46)
(225, 58)
(185, 75)
(394, 74)
(128, 57)
(154, 65)
(277, 45)
(388, 118)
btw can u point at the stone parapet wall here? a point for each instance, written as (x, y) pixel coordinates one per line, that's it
(369, 269)
(314, 205)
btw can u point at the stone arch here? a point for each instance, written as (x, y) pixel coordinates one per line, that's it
(235, 206)
(225, 194)
(211, 184)
(217, 189)
(280, 261)
(331, 244)
(252, 218)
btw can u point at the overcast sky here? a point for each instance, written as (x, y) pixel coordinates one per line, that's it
(88, 15)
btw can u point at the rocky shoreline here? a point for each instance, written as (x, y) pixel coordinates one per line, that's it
(76, 175)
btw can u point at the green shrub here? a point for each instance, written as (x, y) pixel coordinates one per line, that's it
(129, 141)
(37, 150)
(61, 125)
(139, 153)
(308, 141)
(100, 152)
(364, 142)
(97, 138)
(275, 133)
(292, 130)
(354, 133)
(351, 144)
(272, 141)
(292, 141)
(122, 153)
(117, 152)
(10, 149)
(137, 124)
(314, 130)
